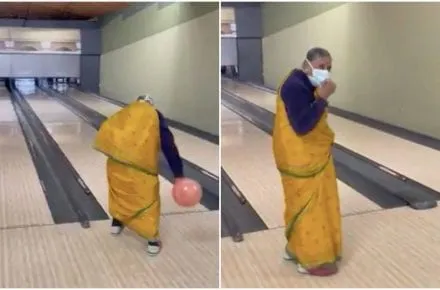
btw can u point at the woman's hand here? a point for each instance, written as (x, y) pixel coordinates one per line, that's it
(178, 179)
(327, 88)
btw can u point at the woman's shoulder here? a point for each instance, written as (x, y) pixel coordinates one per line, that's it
(296, 80)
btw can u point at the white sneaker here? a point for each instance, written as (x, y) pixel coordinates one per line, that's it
(287, 257)
(154, 247)
(116, 227)
(299, 268)
(116, 230)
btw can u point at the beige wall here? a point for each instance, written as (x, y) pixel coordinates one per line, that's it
(280, 15)
(385, 59)
(177, 66)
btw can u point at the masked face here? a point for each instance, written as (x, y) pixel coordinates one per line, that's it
(318, 76)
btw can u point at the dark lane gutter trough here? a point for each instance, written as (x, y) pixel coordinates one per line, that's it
(239, 215)
(68, 198)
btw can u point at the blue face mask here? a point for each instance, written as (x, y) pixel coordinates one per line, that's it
(318, 75)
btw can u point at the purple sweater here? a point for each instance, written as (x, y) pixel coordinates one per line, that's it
(303, 110)
(169, 148)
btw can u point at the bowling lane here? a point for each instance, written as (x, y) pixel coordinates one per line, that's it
(67, 256)
(383, 148)
(22, 200)
(247, 158)
(75, 138)
(378, 248)
(192, 148)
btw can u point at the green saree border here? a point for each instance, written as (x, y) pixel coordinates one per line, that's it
(139, 213)
(309, 174)
(289, 229)
(138, 168)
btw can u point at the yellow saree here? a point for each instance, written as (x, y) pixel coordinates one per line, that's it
(312, 215)
(131, 141)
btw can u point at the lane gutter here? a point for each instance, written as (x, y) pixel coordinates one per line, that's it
(68, 197)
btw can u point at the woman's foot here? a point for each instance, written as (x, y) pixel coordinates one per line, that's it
(328, 269)
(287, 256)
(117, 227)
(299, 268)
(323, 270)
(154, 247)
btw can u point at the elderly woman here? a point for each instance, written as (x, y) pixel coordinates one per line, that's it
(132, 140)
(302, 143)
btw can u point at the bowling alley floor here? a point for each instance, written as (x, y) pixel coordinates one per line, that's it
(394, 248)
(68, 256)
(37, 253)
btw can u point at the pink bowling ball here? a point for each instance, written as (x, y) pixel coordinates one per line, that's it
(187, 192)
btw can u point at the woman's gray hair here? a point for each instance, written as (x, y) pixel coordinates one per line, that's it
(317, 52)
(146, 98)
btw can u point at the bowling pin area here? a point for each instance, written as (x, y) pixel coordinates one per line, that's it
(42, 251)
(388, 189)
